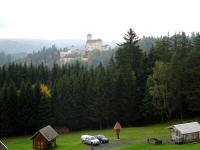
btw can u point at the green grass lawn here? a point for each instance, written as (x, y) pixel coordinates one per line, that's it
(72, 141)
(159, 147)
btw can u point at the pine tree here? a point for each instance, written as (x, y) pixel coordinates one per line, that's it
(129, 52)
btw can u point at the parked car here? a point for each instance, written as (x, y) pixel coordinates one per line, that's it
(83, 137)
(91, 140)
(102, 138)
(154, 141)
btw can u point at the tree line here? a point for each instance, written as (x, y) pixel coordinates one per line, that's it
(135, 88)
(51, 55)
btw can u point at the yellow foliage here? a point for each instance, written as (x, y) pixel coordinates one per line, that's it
(45, 90)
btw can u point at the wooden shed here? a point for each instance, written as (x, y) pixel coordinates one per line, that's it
(186, 133)
(44, 139)
(3, 146)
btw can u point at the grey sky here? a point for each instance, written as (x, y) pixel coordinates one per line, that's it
(106, 19)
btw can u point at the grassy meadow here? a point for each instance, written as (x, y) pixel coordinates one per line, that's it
(159, 147)
(72, 141)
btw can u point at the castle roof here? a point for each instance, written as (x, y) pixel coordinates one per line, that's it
(94, 41)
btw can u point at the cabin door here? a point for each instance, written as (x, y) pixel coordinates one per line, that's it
(195, 136)
(40, 145)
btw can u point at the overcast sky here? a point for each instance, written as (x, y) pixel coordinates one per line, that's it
(106, 19)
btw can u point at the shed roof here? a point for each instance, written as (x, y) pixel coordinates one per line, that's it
(117, 126)
(48, 133)
(2, 146)
(187, 127)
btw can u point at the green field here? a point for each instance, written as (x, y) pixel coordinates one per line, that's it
(160, 147)
(72, 141)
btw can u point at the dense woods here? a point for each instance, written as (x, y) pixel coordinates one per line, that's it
(135, 88)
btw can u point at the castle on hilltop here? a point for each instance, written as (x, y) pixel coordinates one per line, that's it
(95, 44)
(74, 54)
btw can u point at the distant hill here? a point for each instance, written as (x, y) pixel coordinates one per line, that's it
(25, 46)
(14, 46)
(11, 46)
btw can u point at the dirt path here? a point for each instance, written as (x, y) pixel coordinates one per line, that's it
(120, 143)
(113, 144)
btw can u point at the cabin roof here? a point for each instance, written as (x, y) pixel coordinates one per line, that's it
(2, 146)
(47, 132)
(186, 128)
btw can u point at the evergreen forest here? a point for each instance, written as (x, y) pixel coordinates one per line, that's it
(135, 87)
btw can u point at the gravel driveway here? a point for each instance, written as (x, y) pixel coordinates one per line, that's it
(119, 143)
(112, 144)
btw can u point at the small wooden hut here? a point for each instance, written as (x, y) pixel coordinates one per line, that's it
(45, 138)
(186, 133)
(3, 146)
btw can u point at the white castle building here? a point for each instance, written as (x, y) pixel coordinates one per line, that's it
(95, 44)
(77, 54)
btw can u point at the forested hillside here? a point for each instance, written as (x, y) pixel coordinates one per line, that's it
(27, 51)
(135, 88)
(13, 46)
(47, 56)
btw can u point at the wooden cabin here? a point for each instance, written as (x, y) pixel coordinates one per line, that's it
(3, 146)
(44, 139)
(185, 133)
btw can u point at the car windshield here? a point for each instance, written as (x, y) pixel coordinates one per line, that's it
(92, 138)
(102, 136)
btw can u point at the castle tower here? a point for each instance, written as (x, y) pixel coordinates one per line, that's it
(89, 37)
